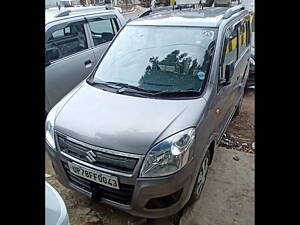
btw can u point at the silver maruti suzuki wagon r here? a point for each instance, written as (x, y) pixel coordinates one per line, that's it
(140, 132)
(75, 40)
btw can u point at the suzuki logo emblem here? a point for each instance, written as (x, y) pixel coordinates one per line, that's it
(91, 156)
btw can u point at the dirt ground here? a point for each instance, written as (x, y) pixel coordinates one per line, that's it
(228, 195)
(82, 211)
(240, 133)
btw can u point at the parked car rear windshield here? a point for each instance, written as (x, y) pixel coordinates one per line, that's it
(159, 58)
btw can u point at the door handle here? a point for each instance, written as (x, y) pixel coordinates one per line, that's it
(88, 63)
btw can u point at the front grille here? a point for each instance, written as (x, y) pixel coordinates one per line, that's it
(104, 160)
(123, 195)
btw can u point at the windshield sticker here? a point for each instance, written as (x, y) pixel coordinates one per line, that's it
(208, 34)
(201, 75)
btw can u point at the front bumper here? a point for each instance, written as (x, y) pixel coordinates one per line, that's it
(169, 194)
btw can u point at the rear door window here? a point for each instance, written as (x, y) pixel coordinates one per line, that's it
(67, 41)
(103, 30)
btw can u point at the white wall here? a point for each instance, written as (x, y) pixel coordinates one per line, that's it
(249, 4)
(179, 2)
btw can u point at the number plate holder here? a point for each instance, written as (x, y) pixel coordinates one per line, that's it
(94, 175)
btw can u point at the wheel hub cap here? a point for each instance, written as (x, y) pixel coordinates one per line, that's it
(202, 176)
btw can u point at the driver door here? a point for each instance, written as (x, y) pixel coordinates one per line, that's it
(225, 98)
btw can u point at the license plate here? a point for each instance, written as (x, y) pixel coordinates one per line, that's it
(94, 175)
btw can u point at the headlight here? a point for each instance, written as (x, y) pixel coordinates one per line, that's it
(50, 127)
(168, 156)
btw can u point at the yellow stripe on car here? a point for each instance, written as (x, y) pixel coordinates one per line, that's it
(227, 49)
(251, 18)
(234, 43)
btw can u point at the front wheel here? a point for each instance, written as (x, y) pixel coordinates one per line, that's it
(201, 178)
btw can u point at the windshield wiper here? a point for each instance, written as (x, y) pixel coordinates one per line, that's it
(130, 88)
(105, 84)
(179, 93)
(189, 92)
(122, 87)
(127, 88)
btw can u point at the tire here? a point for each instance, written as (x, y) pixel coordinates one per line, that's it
(175, 219)
(201, 178)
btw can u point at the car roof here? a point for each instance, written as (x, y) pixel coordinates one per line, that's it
(206, 17)
(51, 13)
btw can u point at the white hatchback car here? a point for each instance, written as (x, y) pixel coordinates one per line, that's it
(56, 211)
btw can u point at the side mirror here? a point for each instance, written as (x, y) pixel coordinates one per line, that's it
(51, 55)
(229, 69)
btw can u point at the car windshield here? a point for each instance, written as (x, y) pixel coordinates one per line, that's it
(159, 58)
